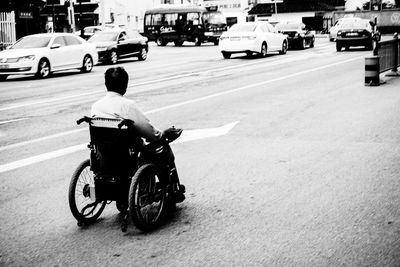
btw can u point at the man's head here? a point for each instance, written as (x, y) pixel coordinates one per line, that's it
(116, 80)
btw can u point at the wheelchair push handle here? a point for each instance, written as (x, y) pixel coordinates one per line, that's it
(84, 119)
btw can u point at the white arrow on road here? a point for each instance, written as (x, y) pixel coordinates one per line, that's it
(189, 135)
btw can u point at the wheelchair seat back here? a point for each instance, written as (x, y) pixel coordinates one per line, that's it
(114, 149)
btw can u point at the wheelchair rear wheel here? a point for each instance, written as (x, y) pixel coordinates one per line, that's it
(84, 208)
(147, 198)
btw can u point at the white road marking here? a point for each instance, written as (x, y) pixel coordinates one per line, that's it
(192, 135)
(184, 75)
(187, 102)
(4, 122)
(41, 139)
(42, 157)
(187, 136)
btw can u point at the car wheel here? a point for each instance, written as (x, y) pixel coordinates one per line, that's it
(43, 69)
(338, 47)
(249, 54)
(264, 50)
(312, 42)
(3, 77)
(87, 65)
(226, 55)
(284, 48)
(143, 54)
(197, 41)
(160, 41)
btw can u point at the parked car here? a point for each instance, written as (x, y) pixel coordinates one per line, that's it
(355, 33)
(334, 30)
(42, 54)
(113, 26)
(252, 37)
(88, 31)
(297, 34)
(114, 44)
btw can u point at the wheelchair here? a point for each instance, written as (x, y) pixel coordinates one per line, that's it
(119, 170)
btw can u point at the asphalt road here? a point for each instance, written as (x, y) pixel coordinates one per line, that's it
(309, 176)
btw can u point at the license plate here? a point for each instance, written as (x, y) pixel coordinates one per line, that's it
(352, 34)
(4, 66)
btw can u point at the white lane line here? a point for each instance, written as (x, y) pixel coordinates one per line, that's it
(4, 122)
(251, 86)
(42, 157)
(41, 139)
(72, 149)
(184, 75)
(183, 103)
(187, 136)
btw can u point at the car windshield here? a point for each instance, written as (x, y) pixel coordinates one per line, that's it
(214, 18)
(243, 28)
(31, 42)
(353, 25)
(103, 37)
(288, 26)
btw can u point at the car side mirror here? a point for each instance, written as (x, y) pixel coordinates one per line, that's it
(54, 46)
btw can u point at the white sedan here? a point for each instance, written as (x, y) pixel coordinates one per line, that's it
(42, 54)
(252, 37)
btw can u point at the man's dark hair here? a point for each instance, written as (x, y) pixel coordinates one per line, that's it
(116, 80)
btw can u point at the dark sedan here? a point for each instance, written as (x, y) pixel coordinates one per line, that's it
(355, 33)
(297, 34)
(115, 44)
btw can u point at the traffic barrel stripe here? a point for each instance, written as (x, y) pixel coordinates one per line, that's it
(372, 71)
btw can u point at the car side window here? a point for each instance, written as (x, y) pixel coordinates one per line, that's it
(71, 40)
(122, 37)
(60, 41)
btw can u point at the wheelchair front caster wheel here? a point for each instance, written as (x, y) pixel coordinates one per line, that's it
(124, 227)
(80, 224)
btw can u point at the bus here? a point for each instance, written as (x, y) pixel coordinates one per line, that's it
(179, 23)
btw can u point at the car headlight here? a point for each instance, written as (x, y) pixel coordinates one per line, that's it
(339, 33)
(26, 58)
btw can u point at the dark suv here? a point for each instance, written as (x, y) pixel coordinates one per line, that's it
(119, 43)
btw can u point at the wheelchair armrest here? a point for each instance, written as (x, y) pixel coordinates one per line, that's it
(127, 123)
(84, 119)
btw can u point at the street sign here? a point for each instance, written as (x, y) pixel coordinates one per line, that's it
(25, 15)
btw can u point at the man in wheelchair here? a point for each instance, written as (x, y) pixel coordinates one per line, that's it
(115, 106)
